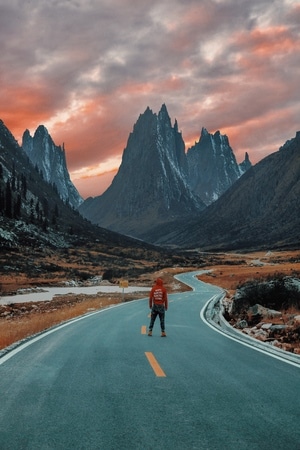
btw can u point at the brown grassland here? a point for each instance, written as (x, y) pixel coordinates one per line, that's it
(19, 321)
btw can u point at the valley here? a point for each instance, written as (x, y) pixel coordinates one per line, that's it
(227, 270)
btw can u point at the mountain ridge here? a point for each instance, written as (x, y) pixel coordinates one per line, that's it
(51, 161)
(33, 215)
(212, 166)
(260, 210)
(151, 183)
(158, 181)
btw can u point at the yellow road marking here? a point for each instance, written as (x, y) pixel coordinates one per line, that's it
(154, 364)
(143, 329)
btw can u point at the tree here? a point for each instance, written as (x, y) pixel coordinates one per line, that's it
(23, 186)
(17, 207)
(8, 200)
(45, 207)
(2, 201)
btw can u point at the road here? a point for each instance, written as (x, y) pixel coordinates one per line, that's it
(101, 383)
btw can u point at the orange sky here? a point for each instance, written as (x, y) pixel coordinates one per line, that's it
(86, 69)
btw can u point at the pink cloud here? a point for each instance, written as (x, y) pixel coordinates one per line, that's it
(94, 185)
(89, 72)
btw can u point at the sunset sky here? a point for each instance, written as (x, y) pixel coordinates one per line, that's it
(86, 69)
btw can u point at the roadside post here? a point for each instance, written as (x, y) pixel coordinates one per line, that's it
(123, 284)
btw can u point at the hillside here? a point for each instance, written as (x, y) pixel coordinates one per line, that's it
(42, 237)
(261, 210)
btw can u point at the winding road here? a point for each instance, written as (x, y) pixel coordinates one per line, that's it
(99, 382)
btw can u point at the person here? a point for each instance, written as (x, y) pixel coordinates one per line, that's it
(158, 303)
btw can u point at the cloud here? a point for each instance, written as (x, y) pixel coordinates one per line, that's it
(87, 69)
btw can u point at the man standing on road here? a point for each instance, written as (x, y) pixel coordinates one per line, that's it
(158, 303)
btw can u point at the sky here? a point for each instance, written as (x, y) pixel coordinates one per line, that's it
(86, 70)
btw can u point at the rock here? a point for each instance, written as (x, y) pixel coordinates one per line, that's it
(266, 326)
(261, 335)
(264, 312)
(275, 343)
(278, 327)
(256, 263)
(242, 324)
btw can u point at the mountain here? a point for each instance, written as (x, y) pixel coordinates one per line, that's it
(31, 210)
(260, 210)
(51, 161)
(213, 167)
(33, 215)
(151, 186)
(43, 238)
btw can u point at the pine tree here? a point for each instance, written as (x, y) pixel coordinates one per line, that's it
(17, 207)
(2, 202)
(8, 200)
(24, 186)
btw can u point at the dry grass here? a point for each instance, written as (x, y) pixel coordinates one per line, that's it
(15, 329)
(229, 275)
(236, 269)
(229, 272)
(23, 323)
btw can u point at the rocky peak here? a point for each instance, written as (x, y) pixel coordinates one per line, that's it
(212, 166)
(291, 142)
(151, 185)
(51, 161)
(246, 164)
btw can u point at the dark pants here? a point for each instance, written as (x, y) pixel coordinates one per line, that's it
(157, 310)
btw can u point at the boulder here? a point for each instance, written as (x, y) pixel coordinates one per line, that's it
(263, 312)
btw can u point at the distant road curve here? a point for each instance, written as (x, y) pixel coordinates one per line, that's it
(99, 382)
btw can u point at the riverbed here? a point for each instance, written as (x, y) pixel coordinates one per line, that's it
(48, 293)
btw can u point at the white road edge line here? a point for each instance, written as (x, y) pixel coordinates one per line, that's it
(30, 341)
(202, 316)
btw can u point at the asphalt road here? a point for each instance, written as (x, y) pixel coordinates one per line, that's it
(101, 383)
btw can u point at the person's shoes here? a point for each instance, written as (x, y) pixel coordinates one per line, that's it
(163, 334)
(150, 333)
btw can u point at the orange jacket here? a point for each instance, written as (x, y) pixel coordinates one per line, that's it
(158, 295)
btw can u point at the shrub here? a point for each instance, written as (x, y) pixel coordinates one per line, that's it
(279, 293)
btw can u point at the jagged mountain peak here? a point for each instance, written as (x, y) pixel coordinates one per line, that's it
(42, 134)
(158, 177)
(294, 141)
(246, 164)
(212, 166)
(51, 161)
(203, 133)
(41, 129)
(163, 113)
(260, 211)
(151, 184)
(215, 137)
